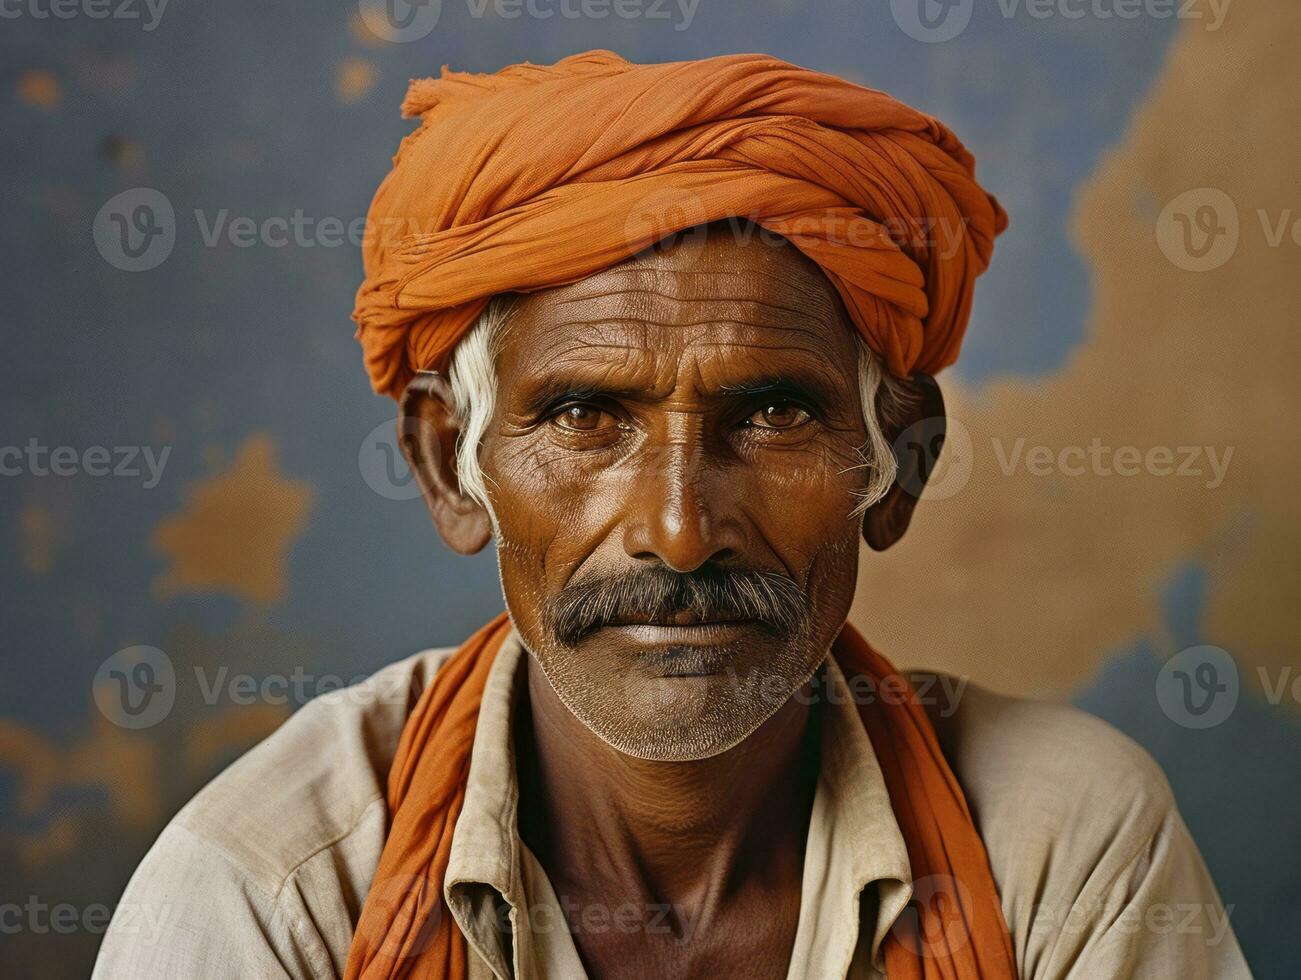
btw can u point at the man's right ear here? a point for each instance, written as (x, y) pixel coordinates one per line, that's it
(427, 433)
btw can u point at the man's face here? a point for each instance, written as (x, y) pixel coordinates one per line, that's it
(673, 463)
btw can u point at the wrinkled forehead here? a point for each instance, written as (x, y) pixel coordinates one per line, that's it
(721, 298)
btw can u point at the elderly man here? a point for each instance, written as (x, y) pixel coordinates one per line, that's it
(655, 331)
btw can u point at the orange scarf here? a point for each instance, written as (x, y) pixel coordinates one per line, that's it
(406, 933)
(541, 175)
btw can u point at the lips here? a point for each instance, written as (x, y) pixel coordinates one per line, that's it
(700, 635)
(680, 618)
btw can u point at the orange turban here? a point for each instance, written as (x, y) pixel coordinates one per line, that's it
(539, 175)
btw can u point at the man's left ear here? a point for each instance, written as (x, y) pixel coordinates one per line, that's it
(916, 438)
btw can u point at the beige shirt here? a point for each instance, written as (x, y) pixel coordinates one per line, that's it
(264, 872)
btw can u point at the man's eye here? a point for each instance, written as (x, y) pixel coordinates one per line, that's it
(779, 415)
(581, 418)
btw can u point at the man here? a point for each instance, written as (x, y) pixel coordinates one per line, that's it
(673, 757)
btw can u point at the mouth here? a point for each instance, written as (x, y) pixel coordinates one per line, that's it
(684, 645)
(681, 619)
(696, 634)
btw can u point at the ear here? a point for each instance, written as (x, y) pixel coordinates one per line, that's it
(427, 433)
(917, 439)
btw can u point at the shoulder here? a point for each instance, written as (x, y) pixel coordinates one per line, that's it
(1065, 803)
(1048, 765)
(270, 860)
(1096, 870)
(309, 783)
(1082, 832)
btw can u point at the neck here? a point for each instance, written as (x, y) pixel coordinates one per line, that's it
(680, 833)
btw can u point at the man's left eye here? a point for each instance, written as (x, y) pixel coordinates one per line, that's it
(581, 418)
(779, 415)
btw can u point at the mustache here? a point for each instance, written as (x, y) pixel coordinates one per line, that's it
(656, 594)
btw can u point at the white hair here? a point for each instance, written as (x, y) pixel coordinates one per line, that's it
(473, 377)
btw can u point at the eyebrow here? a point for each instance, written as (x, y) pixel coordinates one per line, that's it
(808, 384)
(553, 390)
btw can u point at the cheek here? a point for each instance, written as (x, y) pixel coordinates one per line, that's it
(544, 525)
(805, 498)
(833, 575)
(553, 500)
(803, 504)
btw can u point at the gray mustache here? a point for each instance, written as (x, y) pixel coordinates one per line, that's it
(711, 592)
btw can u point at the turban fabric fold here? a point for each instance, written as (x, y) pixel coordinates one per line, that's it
(541, 175)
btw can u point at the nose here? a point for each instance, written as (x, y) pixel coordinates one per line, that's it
(683, 513)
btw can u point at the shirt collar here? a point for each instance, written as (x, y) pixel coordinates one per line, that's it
(483, 888)
(854, 840)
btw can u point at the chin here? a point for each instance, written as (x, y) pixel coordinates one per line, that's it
(682, 718)
(687, 743)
